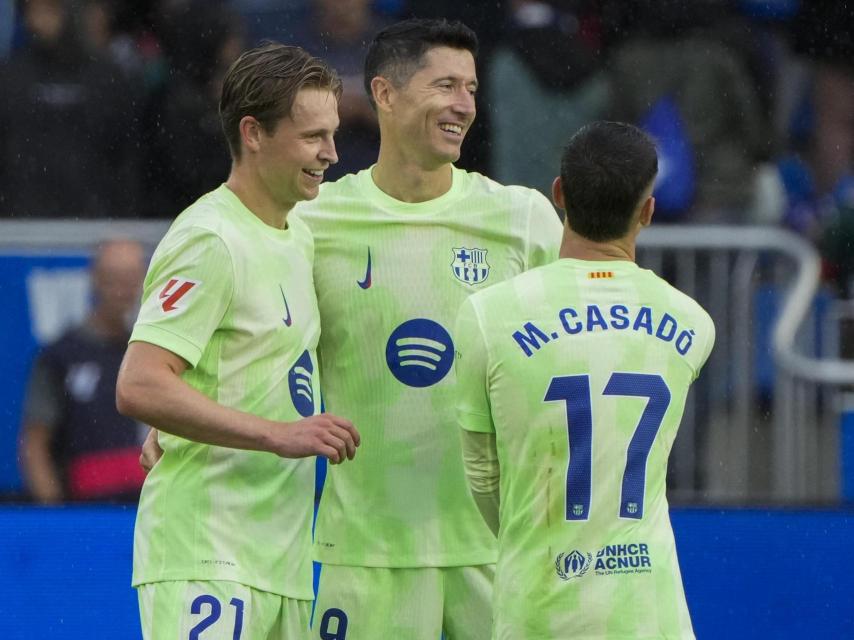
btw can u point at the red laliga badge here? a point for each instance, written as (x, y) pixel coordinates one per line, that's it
(172, 294)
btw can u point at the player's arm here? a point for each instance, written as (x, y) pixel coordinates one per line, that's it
(150, 389)
(480, 459)
(709, 334)
(188, 291)
(42, 412)
(480, 456)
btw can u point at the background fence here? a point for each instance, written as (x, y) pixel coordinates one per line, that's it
(762, 424)
(765, 424)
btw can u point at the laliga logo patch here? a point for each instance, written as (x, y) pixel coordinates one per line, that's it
(573, 564)
(299, 383)
(172, 294)
(419, 352)
(470, 265)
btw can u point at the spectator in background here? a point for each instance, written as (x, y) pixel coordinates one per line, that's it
(99, 34)
(269, 19)
(186, 153)
(67, 137)
(340, 31)
(7, 26)
(544, 82)
(693, 94)
(74, 444)
(824, 32)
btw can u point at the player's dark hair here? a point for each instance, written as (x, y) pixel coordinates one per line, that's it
(398, 51)
(263, 83)
(606, 167)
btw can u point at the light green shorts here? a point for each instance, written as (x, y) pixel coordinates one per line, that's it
(368, 603)
(219, 610)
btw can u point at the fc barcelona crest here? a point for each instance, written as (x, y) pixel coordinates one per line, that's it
(470, 265)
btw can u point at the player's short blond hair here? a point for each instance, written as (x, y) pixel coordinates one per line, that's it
(263, 83)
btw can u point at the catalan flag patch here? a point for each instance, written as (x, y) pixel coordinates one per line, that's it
(596, 275)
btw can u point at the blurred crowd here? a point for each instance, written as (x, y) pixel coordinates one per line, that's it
(108, 108)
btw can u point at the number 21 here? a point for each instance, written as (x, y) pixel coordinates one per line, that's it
(575, 392)
(213, 616)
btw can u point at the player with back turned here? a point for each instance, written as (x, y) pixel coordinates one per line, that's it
(572, 380)
(399, 246)
(222, 361)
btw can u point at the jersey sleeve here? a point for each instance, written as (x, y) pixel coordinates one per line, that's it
(472, 400)
(545, 232)
(187, 292)
(707, 346)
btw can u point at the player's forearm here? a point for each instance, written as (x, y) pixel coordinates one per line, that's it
(163, 400)
(480, 459)
(488, 505)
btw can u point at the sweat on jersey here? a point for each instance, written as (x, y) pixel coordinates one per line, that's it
(390, 277)
(581, 369)
(234, 298)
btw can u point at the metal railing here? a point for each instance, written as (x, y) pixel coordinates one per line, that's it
(758, 434)
(751, 431)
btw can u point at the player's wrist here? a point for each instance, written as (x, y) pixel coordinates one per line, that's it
(267, 436)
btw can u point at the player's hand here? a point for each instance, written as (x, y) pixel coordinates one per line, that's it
(325, 435)
(151, 451)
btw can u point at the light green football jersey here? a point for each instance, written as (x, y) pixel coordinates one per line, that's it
(234, 298)
(582, 369)
(390, 277)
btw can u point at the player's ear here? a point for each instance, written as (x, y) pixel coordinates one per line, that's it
(250, 133)
(647, 210)
(557, 193)
(382, 90)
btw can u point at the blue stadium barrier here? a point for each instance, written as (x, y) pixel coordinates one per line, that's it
(748, 573)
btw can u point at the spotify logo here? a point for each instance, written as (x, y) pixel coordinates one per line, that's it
(299, 383)
(419, 352)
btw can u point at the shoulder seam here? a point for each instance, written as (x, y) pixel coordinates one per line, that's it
(478, 319)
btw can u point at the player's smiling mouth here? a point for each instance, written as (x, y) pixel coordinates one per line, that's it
(454, 129)
(314, 174)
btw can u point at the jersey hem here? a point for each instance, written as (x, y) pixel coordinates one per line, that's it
(167, 340)
(463, 560)
(185, 577)
(475, 422)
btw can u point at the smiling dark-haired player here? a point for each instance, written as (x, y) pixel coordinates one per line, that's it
(399, 247)
(572, 380)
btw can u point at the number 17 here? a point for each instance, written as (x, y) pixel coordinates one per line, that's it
(575, 392)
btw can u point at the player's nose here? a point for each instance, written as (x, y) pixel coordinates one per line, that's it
(328, 152)
(464, 104)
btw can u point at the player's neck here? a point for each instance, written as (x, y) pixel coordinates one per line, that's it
(406, 181)
(257, 199)
(580, 248)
